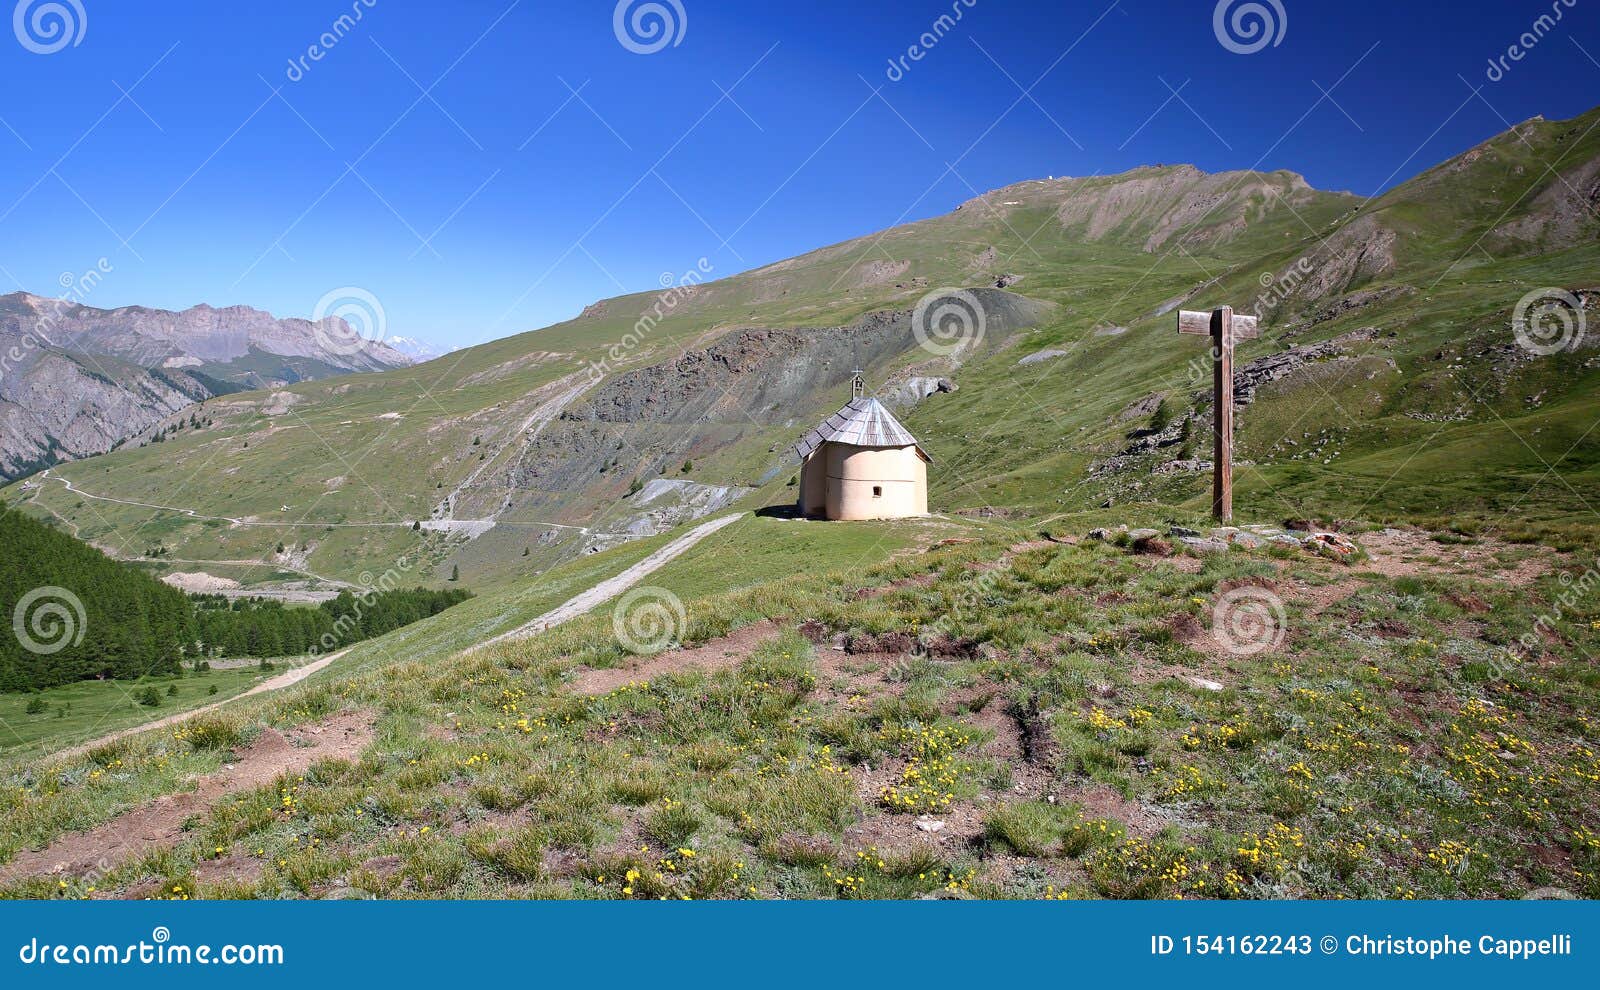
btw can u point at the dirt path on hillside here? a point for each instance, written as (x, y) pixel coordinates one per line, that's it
(724, 653)
(579, 605)
(161, 822)
(566, 391)
(612, 587)
(288, 678)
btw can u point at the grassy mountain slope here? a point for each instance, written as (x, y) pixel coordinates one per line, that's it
(1423, 407)
(1080, 734)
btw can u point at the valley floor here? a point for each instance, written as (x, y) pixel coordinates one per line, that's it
(90, 710)
(990, 713)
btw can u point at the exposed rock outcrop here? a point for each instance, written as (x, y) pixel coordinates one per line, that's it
(1564, 214)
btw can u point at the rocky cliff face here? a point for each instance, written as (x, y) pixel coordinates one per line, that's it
(646, 423)
(59, 409)
(764, 376)
(76, 381)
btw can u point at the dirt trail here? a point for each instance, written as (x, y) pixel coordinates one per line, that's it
(288, 678)
(582, 603)
(566, 391)
(611, 587)
(719, 654)
(160, 823)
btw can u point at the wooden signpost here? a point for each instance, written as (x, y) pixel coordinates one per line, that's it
(1224, 328)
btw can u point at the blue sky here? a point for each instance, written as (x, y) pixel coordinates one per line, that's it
(175, 139)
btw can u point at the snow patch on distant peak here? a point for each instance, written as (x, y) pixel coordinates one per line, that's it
(417, 349)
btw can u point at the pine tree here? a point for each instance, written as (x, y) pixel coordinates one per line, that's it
(1162, 417)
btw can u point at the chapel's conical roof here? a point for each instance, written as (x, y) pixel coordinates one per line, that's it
(864, 422)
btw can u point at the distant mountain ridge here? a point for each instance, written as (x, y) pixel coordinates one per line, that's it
(204, 334)
(77, 381)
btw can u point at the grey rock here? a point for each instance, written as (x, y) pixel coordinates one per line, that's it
(909, 393)
(1048, 354)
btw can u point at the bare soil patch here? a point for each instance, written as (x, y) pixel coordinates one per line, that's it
(719, 654)
(160, 823)
(1408, 553)
(845, 675)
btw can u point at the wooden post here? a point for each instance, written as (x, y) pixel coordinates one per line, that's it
(1222, 388)
(1224, 328)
